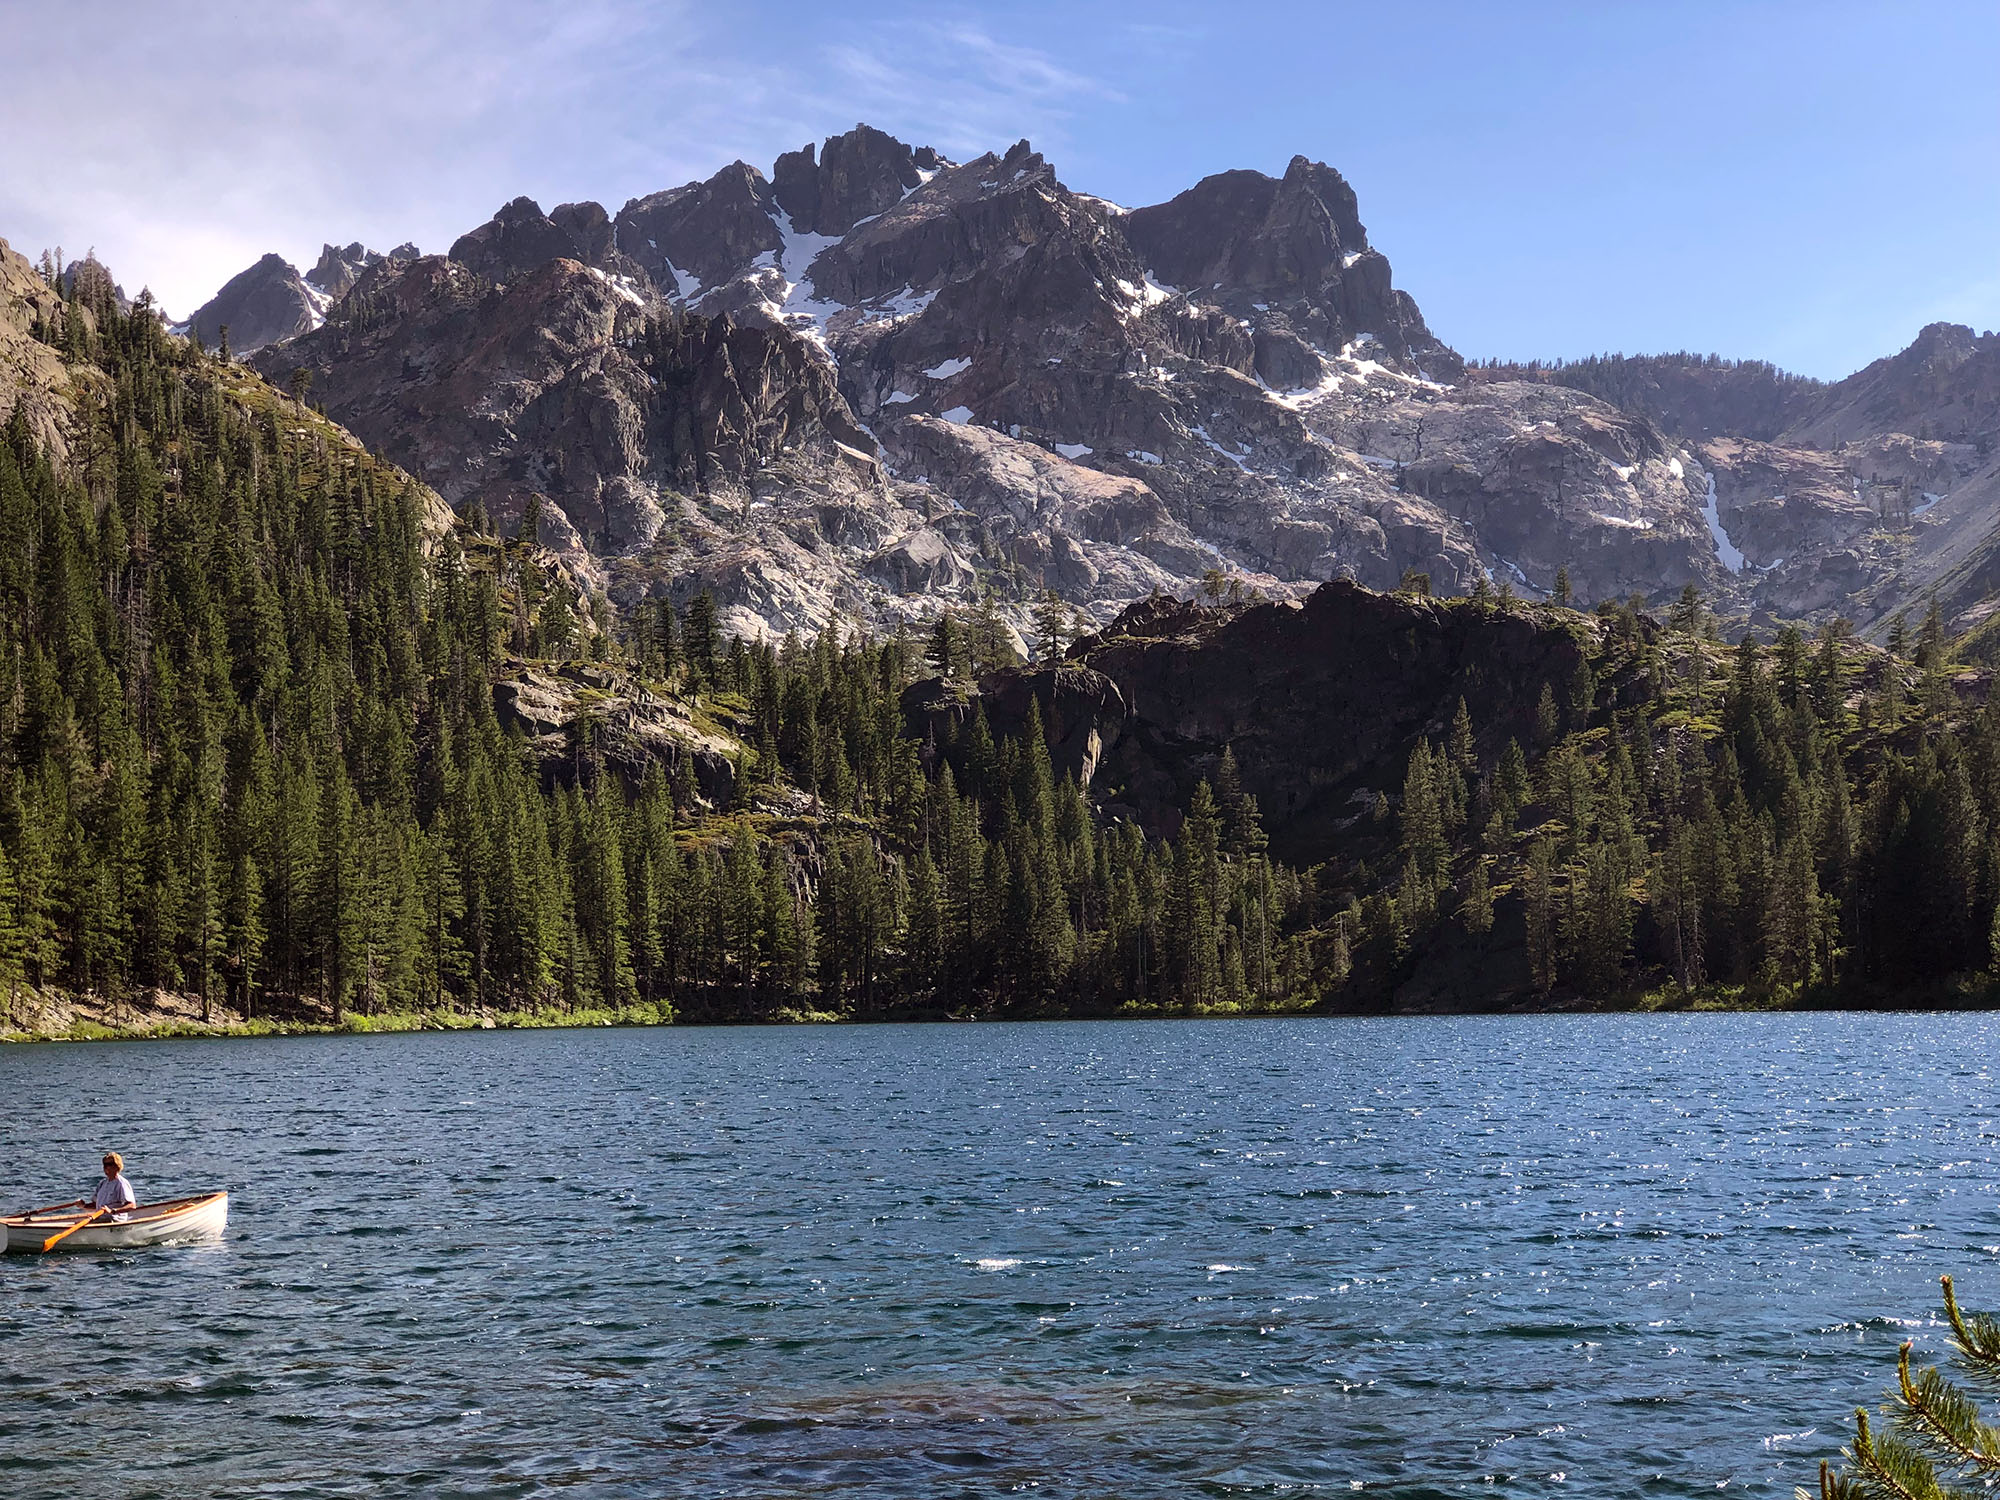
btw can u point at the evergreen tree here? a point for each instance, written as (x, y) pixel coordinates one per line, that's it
(1540, 909)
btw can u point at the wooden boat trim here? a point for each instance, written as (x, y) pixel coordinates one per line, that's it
(59, 1215)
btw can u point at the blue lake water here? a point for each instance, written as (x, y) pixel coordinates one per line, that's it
(1590, 1255)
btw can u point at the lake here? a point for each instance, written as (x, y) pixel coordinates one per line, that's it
(1499, 1255)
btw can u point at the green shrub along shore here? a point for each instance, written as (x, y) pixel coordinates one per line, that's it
(36, 1018)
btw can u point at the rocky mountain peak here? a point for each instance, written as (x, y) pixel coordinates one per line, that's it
(1946, 343)
(856, 176)
(688, 239)
(878, 379)
(339, 267)
(518, 239)
(589, 229)
(1332, 193)
(1246, 234)
(266, 304)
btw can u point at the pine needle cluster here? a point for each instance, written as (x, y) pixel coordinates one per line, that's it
(1937, 1447)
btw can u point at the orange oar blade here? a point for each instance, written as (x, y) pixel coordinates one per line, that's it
(90, 1218)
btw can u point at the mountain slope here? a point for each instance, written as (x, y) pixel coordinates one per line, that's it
(1863, 498)
(1235, 365)
(1689, 396)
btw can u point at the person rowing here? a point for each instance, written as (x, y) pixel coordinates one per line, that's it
(115, 1191)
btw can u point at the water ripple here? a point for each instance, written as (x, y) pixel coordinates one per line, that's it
(1501, 1256)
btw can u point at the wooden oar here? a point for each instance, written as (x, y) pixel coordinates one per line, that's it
(54, 1208)
(56, 1239)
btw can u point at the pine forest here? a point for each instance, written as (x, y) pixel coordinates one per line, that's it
(249, 753)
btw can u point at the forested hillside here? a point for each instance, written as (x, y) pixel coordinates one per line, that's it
(263, 743)
(1785, 821)
(249, 751)
(1693, 396)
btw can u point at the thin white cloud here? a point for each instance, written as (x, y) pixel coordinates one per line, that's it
(955, 86)
(187, 140)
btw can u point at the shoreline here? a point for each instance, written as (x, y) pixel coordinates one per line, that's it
(65, 1020)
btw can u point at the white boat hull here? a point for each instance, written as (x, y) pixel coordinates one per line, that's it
(172, 1223)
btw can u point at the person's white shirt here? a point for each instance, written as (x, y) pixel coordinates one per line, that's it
(115, 1192)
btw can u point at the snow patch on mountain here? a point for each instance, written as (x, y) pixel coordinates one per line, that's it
(904, 304)
(317, 303)
(623, 286)
(1726, 551)
(1145, 294)
(687, 288)
(800, 307)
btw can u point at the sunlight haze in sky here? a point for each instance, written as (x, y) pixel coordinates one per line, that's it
(1805, 183)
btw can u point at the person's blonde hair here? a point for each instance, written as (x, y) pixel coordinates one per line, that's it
(114, 1161)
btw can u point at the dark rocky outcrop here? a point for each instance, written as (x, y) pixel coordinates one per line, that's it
(591, 234)
(1081, 709)
(1321, 701)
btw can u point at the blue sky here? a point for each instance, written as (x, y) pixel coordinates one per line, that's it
(1806, 183)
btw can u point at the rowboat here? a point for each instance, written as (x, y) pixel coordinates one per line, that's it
(172, 1222)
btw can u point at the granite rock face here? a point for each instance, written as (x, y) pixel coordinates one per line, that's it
(1860, 499)
(561, 383)
(631, 728)
(1544, 478)
(33, 378)
(879, 381)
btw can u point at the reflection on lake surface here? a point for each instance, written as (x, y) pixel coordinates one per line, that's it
(1639, 1255)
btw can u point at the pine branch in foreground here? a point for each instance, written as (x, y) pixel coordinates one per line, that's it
(1940, 1448)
